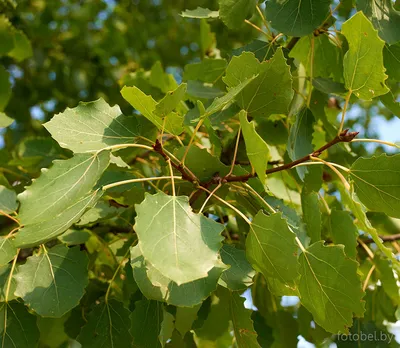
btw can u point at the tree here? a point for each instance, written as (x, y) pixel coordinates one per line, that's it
(160, 160)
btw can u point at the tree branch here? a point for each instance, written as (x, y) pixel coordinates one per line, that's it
(386, 238)
(344, 137)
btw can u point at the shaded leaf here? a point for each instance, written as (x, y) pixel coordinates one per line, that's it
(243, 329)
(311, 214)
(234, 12)
(107, 326)
(6, 291)
(7, 250)
(329, 286)
(8, 200)
(52, 282)
(377, 183)
(256, 148)
(185, 316)
(297, 17)
(391, 59)
(344, 231)
(271, 90)
(156, 286)
(364, 73)
(208, 70)
(5, 93)
(146, 324)
(384, 18)
(240, 274)
(300, 138)
(17, 326)
(271, 248)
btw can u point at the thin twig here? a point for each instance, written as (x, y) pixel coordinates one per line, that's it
(344, 137)
(209, 197)
(346, 104)
(9, 216)
(130, 181)
(339, 174)
(368, 277)
(244, 217)
(377, 141)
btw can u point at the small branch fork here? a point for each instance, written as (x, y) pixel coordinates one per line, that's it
(344, 137)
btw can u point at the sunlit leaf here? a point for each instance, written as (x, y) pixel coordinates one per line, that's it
(256, 148)
(364, 73)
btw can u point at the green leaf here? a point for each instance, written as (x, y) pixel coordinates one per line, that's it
(146, 324)
(202, 164)
(93, 126)
(22, 46)
(311, 214)
(167, 327)
(384, 18)
(297, 17)
(158, 78)
(386, 276)
(6, 291)
(101, 211)
(5, 94)
(5, 121)
(220, 103)
(6, 35)
(234, 12)
(156, 286)
(270, 92)
(391, 59)
(61, 186)
(74, 237)
(197, 89)
(200, 12)
(208, 70)
(256, 148)
(377, 183)
(52, 282)
(326, 59)
(243, 329)
(7, 250)
(183, 246)
(364, 73)
(344, 231)
(300, 138)
(185, 316)
(107, 326)
(17, 326)
(8, 200)
(52, 332)
(390, 102)
(240, 275)
(147, 106)
(170, 101)
(271, 248)
(40, 232)
(351, 200)
(329, 287)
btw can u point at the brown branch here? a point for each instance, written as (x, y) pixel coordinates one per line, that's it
(344, 137)
(292, 42)
(386, 238)
(179, 167)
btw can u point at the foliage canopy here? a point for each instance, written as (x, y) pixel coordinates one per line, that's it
(158, 161)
